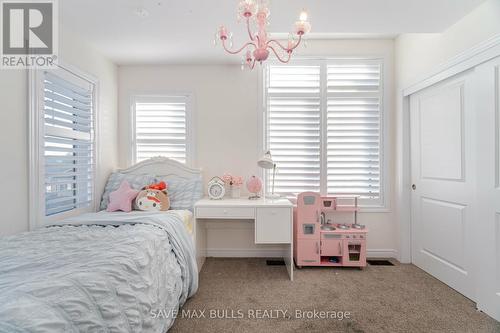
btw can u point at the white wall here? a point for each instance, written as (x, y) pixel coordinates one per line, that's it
(416, 57)
(227, 117)
(14, 133)
(417, 54)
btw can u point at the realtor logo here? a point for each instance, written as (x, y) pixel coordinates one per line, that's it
(29, 33)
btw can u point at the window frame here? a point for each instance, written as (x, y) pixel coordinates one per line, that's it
(36, 172)
(380, 205)
(190, 124)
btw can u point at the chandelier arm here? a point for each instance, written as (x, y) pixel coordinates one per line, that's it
(277, 43)
(239, 50)
(277, 55)
(297, 44)
(248, 29)
(285, 48)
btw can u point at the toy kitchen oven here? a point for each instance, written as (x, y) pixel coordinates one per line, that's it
(326, 232)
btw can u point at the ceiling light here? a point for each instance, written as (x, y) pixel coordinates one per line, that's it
(259, 46)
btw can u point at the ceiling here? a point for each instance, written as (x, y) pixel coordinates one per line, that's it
(182, 31)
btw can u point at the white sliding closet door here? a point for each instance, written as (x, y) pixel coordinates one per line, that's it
(443, 174)
(488, 161)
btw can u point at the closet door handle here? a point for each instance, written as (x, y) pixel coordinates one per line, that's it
(340, 248)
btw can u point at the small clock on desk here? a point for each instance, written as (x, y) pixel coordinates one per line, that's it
(216, 189)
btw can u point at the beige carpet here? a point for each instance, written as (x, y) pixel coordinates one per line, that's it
(399, 298)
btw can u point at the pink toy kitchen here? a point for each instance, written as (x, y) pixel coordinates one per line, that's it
(327, 233)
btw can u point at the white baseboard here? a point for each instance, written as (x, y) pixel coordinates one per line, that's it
(382, 253)
(246, 253)
(267, 252)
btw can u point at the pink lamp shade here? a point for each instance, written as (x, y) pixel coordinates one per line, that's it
(254, 186)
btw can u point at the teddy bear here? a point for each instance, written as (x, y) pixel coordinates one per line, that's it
(153, 198)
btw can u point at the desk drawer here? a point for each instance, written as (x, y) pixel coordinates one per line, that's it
(226, 212)
(273, 225)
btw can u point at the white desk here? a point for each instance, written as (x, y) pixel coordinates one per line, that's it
(273, 222)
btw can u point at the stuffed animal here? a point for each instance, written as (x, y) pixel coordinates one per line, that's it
(153, 197)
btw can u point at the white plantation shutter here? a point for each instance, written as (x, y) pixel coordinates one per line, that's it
(353, 128)
(323, 128)
(293, 127)
(68, 148)
(161, 127)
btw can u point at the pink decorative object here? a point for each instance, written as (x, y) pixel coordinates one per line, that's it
(227, 178)
(238, 181)
(254, 186)
(260, 42)
(234, 183)
(232, 180)
(122, 198)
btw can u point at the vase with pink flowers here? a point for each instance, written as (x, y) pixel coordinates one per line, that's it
(233, 184)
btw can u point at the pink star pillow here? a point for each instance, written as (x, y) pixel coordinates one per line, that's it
(122, 198)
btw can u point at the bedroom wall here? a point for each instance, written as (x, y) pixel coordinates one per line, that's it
(14, 134)
(417, 54)
(227, 117)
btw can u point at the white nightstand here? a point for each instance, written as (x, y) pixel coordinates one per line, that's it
(273, 222)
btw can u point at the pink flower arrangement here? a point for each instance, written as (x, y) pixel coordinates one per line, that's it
(232, 180)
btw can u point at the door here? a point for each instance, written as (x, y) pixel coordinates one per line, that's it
(488, 161)
(442, 162)
(273, 225)
(331, 245)
(354, 253)
(308, 215)
(307, 252)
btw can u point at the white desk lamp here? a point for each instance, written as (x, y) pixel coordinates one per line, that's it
(266, 162)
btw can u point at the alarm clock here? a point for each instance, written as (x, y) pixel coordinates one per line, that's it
(216, 189)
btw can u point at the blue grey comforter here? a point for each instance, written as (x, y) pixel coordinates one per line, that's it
(102, 272)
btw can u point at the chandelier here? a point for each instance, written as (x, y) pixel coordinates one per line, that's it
(259, 42)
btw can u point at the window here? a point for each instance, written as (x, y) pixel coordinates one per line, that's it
(63, 140)
(161, 127)
(323, 126)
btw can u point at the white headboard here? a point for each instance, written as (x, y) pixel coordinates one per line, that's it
(162, 166)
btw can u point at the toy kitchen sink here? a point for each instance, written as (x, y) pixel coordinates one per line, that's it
(319, 241)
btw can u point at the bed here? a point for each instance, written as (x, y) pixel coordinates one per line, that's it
(101, 272)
